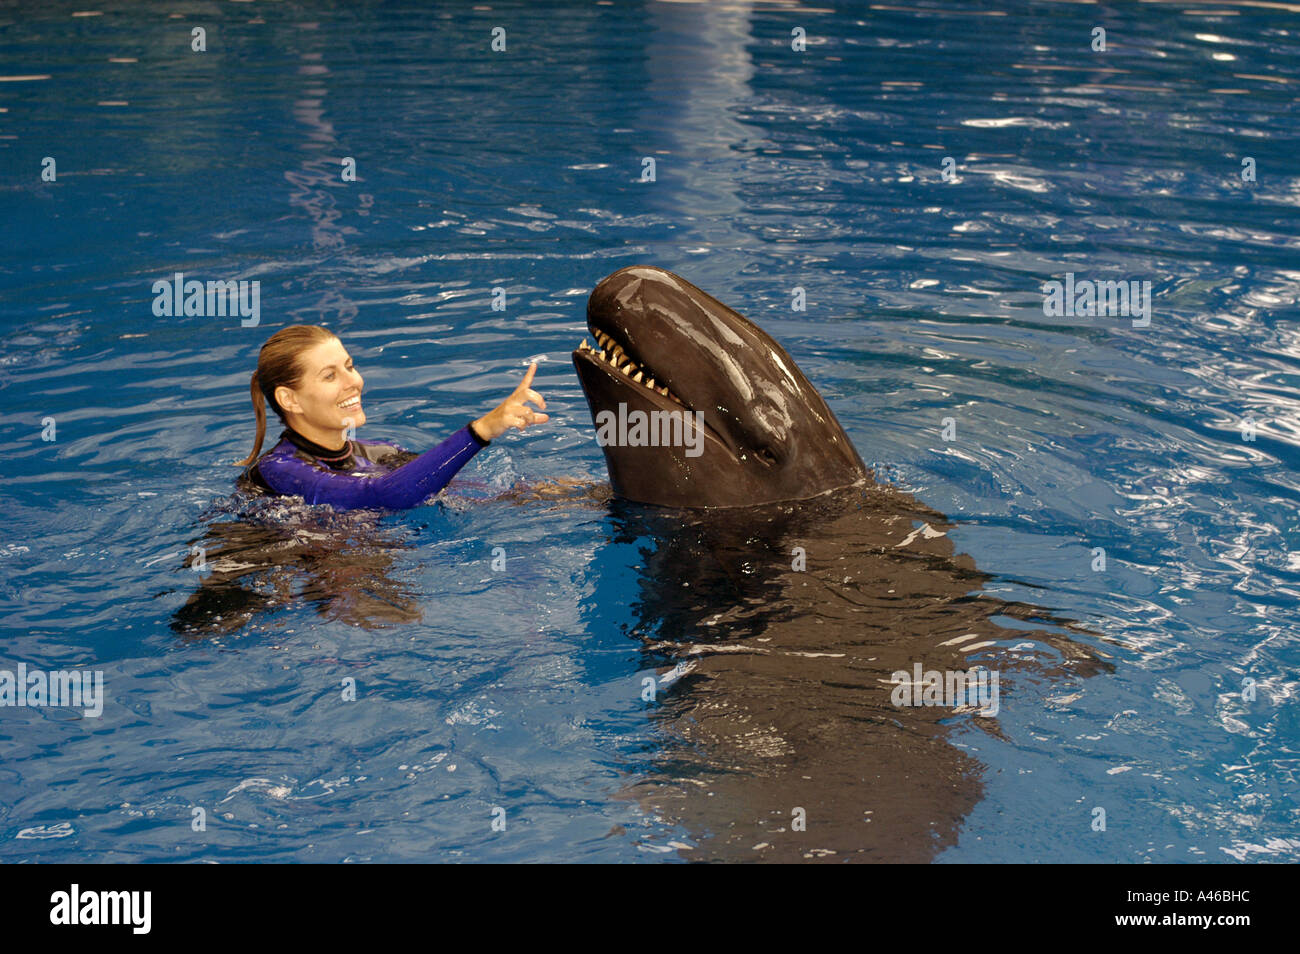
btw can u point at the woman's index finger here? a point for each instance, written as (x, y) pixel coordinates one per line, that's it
(527, 382)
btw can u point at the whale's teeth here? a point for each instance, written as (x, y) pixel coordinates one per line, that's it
(650, 383)
(637, 377)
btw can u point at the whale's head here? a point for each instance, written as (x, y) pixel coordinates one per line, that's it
(669, 357)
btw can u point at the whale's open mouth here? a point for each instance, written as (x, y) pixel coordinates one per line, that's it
(611, 354)
(635, 374)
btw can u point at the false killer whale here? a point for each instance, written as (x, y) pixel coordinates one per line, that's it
(781, 592)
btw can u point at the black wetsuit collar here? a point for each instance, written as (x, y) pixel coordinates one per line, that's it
(324, 454)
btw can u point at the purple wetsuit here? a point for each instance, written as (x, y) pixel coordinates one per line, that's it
(365, 474)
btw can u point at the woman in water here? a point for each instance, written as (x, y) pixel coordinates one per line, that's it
(306, 375)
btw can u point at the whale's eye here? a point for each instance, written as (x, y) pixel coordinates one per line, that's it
(765, 455)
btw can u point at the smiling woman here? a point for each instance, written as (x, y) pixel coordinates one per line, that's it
(308, 378)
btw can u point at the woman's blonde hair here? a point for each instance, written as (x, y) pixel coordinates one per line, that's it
(279, 364)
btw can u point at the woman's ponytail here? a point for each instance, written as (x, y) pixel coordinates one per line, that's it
(279, 363)
(259, 408)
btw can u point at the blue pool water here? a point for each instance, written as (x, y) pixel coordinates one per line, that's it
(823, 169)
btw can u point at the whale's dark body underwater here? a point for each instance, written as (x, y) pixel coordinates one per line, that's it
(782, 589)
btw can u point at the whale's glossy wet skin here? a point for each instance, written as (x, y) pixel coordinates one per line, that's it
(768, 435)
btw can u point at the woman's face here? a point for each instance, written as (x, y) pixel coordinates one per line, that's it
(328, 398)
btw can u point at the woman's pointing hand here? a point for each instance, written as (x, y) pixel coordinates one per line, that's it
(513, 411)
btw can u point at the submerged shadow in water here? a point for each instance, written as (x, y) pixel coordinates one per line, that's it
(274, 553)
